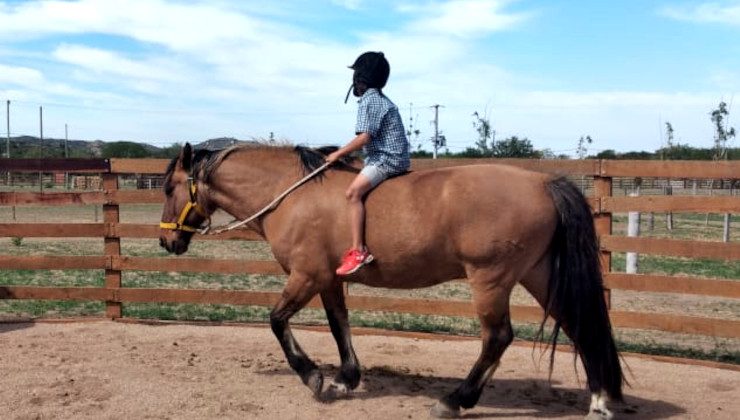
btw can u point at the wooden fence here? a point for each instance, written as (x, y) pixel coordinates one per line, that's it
(604, 204)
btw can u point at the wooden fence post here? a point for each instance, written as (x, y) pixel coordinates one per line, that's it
(111, 215)
(603, 224)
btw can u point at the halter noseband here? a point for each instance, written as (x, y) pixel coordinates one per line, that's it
(191, 205)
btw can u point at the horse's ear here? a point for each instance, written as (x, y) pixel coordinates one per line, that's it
(186, 157)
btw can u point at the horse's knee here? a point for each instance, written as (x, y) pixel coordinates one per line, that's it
(278, 320)
(496, 340)
(505, 335)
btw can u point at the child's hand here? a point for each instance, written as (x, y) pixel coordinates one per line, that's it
(333, 157)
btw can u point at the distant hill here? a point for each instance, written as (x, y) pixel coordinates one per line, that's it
(220, 143)
(33, 147)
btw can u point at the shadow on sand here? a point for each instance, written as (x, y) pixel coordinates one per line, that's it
(7, 326)
(524, 398)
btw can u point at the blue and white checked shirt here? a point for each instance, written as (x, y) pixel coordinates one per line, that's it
(388, 147)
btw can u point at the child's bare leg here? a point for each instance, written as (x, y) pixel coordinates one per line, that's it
(355, 193)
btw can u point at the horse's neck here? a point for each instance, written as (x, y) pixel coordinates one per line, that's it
(243, 185)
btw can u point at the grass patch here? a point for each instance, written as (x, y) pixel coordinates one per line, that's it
(59, 278)
(717, 354)
(51, 308)
(182, 280)
(677, 265)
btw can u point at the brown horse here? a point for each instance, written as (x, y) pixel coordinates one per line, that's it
(496, 225)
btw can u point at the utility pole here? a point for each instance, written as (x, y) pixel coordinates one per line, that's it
(66, 155)
(7, 141)
(41, 146)
(436, 129)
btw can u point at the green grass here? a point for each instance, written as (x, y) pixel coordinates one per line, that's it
(51, 308)
(59, 278)
(676, 265)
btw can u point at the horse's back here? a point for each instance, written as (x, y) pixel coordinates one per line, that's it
(436, 221)
(463, 194)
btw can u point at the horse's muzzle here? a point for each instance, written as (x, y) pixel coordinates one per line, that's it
(178, 245)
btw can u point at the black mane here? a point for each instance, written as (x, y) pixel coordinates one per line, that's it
(201, 158)
(206, 161)
(313, 158)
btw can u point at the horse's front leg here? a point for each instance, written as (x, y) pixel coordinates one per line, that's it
(348, 376)
(298, 291)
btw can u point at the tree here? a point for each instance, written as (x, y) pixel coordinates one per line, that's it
(124, 149)
(413, 130)
(721, 133)
(607, 154)
(582, 149)
(170, 151)
(470, 152)
(514, 147)
(482, 125)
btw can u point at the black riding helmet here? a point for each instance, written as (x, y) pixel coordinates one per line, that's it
(371, 69)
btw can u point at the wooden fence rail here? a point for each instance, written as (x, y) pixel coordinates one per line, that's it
(602, 202)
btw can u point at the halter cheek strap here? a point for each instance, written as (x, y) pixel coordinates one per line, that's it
(190, 206)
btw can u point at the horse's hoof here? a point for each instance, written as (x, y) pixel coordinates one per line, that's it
(599, 415)
(444, 411)
(336, 391)
(315, 383)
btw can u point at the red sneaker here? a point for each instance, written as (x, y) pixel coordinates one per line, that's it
(353, 260)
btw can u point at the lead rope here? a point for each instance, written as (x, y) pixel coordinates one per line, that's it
(236, 223)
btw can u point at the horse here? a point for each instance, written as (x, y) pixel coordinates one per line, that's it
(495, 225)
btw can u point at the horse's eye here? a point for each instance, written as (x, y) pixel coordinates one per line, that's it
(168, 189)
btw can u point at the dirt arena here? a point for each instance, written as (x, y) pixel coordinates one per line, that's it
(107, 370)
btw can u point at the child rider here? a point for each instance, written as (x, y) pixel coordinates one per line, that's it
(381, 136)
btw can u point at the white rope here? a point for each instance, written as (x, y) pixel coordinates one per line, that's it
(236, 223)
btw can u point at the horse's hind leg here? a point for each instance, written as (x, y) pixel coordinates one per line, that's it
(297, 293)
(491, 299)
(536, 283)
(348, 376)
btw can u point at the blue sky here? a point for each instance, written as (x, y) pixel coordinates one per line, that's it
(162, 71)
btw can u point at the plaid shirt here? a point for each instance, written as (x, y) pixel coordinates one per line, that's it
(388, 146)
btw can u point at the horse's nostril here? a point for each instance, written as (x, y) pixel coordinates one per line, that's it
(162, 242)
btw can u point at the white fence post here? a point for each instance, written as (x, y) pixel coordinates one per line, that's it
(633, 230)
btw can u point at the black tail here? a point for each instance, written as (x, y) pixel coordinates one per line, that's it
(575, 292)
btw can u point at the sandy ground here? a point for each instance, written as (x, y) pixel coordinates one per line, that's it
(107, 370)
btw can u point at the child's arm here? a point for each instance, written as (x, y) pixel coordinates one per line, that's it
(356, 144)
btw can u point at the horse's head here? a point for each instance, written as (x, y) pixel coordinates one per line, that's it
(182, 214)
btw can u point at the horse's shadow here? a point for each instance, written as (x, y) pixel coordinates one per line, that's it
(530, 398)
(14, 325)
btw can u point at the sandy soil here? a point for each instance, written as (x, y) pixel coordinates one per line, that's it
(110, 370)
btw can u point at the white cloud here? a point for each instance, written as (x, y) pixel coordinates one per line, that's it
(727, 13)
(725, 80)
(465, 18)
(103, 61)
(22, 76)
(207, 69)
(348, 4)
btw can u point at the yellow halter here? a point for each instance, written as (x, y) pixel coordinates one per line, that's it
(191, 205)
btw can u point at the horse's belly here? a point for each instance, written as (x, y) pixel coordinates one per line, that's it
(409, 274)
